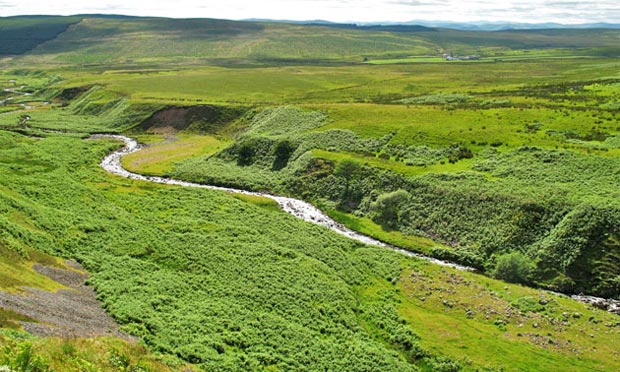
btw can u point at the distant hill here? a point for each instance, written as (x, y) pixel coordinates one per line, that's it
(88, 39)
(464, 26)
(21, 34)
(504, 26)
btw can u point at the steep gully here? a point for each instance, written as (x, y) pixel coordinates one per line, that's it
(297, 208)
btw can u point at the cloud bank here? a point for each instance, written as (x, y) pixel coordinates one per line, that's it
(529, 11)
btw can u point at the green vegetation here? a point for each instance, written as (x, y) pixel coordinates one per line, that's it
(223, 266)
(22, 352)
(498, 197)
(194, 273)
(17, 271)
(497, 325)
(369, 227)
(160, 159)
(127, 41)
(19, 35)
(508, 164)
(514, 267)
(387, 207)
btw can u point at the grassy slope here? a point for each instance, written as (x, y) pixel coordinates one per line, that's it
(322, 87)
(106, 40)
(312, 84)
(465, 312)
(228, 280)
(24, 352)
(122, 40)
(317, 268)
(19, 35)
(20, 349)
(160, 160)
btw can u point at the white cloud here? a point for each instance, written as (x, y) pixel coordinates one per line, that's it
(564, 11)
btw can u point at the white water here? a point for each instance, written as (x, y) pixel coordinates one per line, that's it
(302, 210)
(298, 208)
(20, 94)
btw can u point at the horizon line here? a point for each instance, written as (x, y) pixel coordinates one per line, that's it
(310, 21)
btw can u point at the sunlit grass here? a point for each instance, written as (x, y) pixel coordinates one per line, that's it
(460, 313)
(162, 153)
(396, 166)
(367, 227)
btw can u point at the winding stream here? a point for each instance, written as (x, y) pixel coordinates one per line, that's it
(296, 207)
(19, 94)
(299, 209)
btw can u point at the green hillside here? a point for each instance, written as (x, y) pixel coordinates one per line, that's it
(507, 163)
(19, 35)
(129, 40)
(232, 283)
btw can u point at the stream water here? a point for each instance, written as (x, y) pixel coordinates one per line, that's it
(19, 94)
(299, 209)
(296, 207)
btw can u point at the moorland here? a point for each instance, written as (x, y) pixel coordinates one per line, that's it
(507, 163)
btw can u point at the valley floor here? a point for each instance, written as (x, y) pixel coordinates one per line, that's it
(508, 165)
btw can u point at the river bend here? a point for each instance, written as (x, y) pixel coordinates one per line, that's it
(299, 209)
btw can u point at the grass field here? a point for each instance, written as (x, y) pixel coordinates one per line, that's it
(394, 295)
(307, 84)
(495, 57)
(368, 227)
(465, 322)
(479, 127)
(396, 166)
(160, 160)
(514, 155)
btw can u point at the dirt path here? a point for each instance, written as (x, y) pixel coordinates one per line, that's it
(73, 312)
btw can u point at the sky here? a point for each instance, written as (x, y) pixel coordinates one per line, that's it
(523, 11)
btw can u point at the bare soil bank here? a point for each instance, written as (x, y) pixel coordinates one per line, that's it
(73, 312)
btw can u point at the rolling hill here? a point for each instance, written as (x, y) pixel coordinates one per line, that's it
(106, 39)
(507, 163)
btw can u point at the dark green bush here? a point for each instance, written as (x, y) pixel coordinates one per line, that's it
(460, 256)
(283, 151)
(514, 267)
(387, 207)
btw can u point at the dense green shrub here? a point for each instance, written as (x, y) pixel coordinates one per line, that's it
(349, 170)
(460, 256)
(584, 249)
(282, 152)
(441, 364)
(19, 356)
(514, 267)
(198, 273)
(246, 154)
(387, 207)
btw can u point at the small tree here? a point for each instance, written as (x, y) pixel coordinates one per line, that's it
(387, 207)
(514, 267)
(349, 170)
(246, 154)
(283, 151)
